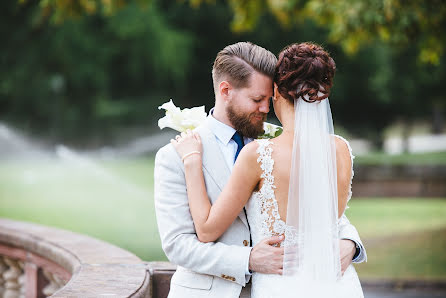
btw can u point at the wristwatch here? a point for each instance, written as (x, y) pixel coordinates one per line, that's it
(358, 250)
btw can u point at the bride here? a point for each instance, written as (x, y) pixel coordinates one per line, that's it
(296, 185)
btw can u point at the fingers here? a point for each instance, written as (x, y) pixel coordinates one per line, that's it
(274, 240)
(184, 135)
(175, 141)
(197, 137)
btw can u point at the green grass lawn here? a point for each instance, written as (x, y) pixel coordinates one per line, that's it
(408, 256)
(404, 238)
(383, 217)
(113, 201)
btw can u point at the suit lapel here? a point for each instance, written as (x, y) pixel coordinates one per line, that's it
(214, 162)
(213, 159)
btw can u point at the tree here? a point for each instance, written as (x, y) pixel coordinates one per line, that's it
(94, 72)
(357, 23)
(86, 74)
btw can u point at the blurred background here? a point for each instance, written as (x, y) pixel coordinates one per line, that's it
(81, 82)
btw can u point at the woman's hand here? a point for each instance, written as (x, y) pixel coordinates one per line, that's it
(188, 145)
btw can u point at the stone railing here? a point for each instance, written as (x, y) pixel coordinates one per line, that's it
(399, 181)
(39, 261)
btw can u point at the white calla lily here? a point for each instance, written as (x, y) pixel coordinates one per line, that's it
(181, 120)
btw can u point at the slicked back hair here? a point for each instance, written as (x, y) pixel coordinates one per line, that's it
(236, 63)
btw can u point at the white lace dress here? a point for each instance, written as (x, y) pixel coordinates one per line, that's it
(265, 221)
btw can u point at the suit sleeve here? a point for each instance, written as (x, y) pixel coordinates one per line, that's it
(176, 227)
(348, 231)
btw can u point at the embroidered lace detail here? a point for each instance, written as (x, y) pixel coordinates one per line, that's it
(270, 222)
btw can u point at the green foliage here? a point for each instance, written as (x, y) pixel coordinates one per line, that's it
(65, 79)
(58, 11)
(352, 24)
(92, 72)
(399, 23)
(357, 23)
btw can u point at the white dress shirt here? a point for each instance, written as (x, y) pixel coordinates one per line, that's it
(223, 134)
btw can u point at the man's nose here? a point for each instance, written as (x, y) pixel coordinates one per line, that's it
(264, 107)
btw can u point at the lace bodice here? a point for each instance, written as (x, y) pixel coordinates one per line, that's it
(265, 221)
(264, 203)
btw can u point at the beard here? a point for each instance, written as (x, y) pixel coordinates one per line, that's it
(243, 123)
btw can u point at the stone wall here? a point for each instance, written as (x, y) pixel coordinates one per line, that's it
(39, 261)
(399, 181)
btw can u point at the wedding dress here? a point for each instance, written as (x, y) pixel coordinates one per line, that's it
(263, 216)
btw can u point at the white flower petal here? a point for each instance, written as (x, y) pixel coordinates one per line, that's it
(168, 106)
(181, 120)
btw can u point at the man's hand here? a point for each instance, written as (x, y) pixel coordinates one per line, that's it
(347, 250)
(265, 258)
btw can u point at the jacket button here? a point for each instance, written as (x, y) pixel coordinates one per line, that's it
(245, 242)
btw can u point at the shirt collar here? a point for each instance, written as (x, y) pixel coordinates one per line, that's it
(222, 131)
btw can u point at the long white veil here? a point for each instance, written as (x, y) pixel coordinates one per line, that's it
(312, 261)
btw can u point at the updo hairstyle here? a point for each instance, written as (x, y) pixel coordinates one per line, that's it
(304, 69)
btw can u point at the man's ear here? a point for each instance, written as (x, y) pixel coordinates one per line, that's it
(225, 90)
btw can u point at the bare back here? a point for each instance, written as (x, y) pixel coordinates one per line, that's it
(282, 154)
(266, 209)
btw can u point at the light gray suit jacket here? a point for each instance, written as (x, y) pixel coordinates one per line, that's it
(204, 269)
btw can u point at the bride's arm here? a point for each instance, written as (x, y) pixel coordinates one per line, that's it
(211, 221)
(344, 173)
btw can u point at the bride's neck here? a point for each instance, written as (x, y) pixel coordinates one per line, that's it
(287, 120)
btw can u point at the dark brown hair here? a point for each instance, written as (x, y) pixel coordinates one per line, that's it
(302, 70)
(236, 62)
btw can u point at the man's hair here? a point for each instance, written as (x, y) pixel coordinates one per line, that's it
(236, 62)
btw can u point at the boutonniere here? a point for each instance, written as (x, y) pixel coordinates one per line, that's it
(184, 119)
(271, 131)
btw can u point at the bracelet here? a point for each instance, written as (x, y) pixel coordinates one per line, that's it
(189, 154)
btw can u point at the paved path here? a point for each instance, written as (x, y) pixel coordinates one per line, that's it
(405, 294)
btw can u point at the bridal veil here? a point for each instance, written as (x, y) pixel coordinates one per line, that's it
(312, 261)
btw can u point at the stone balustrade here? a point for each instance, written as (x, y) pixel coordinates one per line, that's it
(39, 261)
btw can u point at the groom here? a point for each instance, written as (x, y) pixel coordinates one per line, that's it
(243, 79)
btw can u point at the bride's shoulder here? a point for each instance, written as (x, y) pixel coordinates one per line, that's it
(249, 150)
(341, 141)
(343, 148)
(252, 150)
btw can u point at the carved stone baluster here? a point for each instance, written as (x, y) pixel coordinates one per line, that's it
(3, 268)
(22, 280)
(55, 283)
(11, 277)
